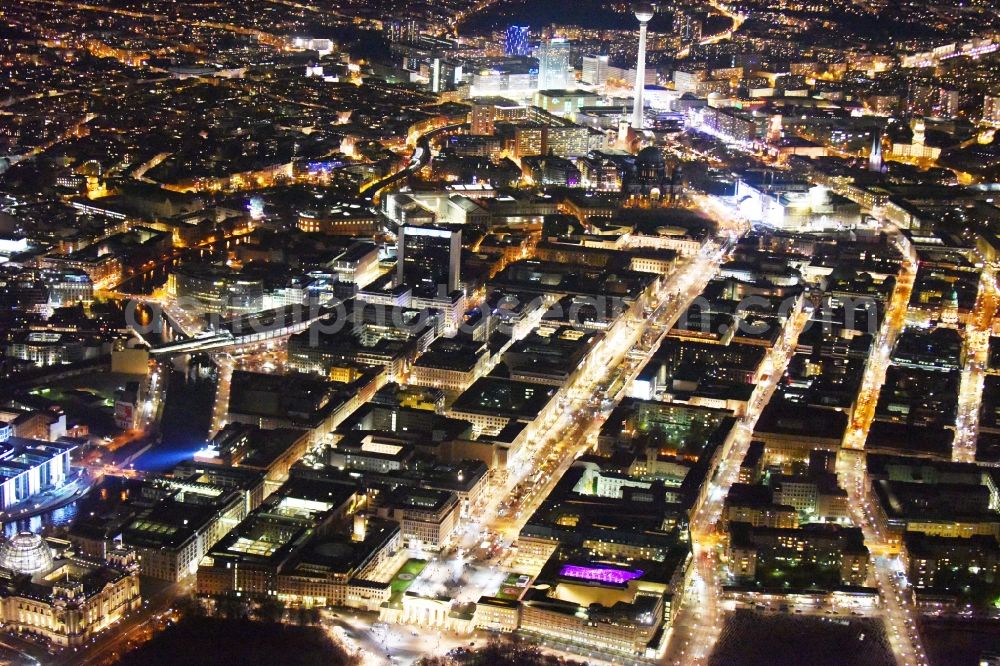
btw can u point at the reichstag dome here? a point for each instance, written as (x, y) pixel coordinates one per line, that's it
(25, 553)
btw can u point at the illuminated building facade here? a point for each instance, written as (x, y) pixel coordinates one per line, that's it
(306, 545)
(216, 291)
(173, 535)
(595, 70)
(28, 467)
(516, 41)
(47, 589)
(426, 517)
(553, 64)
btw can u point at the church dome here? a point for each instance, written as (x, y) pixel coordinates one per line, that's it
(25, 553)
(650, 156)
(650, 170)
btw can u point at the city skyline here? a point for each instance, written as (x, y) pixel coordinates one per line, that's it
(500, 332)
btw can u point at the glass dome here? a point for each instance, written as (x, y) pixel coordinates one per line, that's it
(25, 552)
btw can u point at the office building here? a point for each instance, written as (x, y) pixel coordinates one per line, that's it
(69, 288)
(357, 264)
(216, 290)
(595, 70)
(429, 255)
(492, 403)
(688, 25)
(553, 64)
(445, 74)
(450, 364)
(516, 41)
(175, 522)
(427, 517)
(403, 31)
(29, 467)
(305, 545)
(991, 109)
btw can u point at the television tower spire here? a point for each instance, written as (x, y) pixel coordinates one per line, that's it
(643, 11)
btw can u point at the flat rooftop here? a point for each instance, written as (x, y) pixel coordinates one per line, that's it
(504, 397)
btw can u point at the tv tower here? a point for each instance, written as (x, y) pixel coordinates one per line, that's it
(643, 11)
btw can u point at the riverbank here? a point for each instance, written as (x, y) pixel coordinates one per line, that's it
(48, 501)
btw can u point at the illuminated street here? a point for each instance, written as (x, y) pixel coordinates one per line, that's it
(500, 332)
(699, 620)
(977, 339)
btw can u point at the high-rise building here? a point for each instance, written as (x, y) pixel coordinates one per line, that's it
(991, 109)
(482, 118)
(688, 25)
(516, 40)
(644, 12)
(595, 70)
(948, 102)
(520, 80)
(929, 98)
(920, 98)
(486, 111)
(529, 139)
(445, 75)
(553, 64)
(428, 255)
(401, 30)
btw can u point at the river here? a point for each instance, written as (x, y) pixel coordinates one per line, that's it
(54, 518)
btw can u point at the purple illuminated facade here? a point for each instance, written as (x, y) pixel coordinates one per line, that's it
(600, 574)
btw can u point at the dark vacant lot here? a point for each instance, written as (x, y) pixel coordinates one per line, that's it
(775, 639)
(959, 641)
(218, 642)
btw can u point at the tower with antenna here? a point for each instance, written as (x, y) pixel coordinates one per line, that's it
(643, 11)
